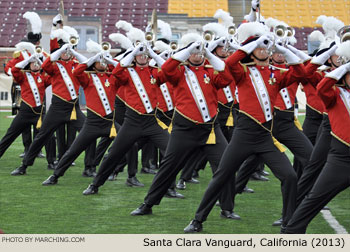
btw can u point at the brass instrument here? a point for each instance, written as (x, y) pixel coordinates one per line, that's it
(290, 31)
(344, 33)
(106, 46)
(280, 31)
(73, 41)
(38, 49)
(208, 36)
(232, 30)
(174, 45)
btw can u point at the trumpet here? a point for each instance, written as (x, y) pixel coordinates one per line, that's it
(38, 49)
(208, 36)
(232, 30)
(344, 34)
(290, 32)
(173, 45)
(73, 41)
(280, 31)
(106, 46)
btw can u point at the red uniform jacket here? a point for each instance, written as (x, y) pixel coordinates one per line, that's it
(209, 80)
(42, 81)
(59, 87)
(132, 98)
(93, 100)
(17, 57)
(338, 113)
(248, 100)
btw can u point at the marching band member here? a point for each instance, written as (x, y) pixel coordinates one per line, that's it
(140, 97)
(33, 83)
(100, 89)
(65, 105)
(258, 85)
(334, 91)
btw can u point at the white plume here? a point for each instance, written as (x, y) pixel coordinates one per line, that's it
(135, 35)
(247, 30)
(34, 20)
(60, 34)
(343, 50)
(218, 29)
(25, 46)
(189, 38)
(118, 38)
(126, 26)
(316, 36)
(330, 25)
(165, 29)
(93, 47)
(161, 46)
(225, 17)
(71, 31)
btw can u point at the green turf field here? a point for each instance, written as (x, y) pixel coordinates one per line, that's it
(28, 207)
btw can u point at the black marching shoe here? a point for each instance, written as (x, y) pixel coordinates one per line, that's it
(112, 177)
(181, 185)
(51, 166)
(171, 193)
(326, 208)
(142, 210)
(89, 172)
(147, 170)
(264, 173)
(40, 155)
(229, 215)
(92, 189)
(248, 190)
(193, 181)
(19, 171)
(195, 174)
(283, 229)
(278, 222)
(194, 227)
(257, 176)
(52, 180)
(133, 181)
(22, 155)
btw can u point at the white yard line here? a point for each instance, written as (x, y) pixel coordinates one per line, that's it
(332, 221)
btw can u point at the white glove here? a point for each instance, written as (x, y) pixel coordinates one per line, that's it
(128, 59)
(339, 72)
(290, 57)
(57, 54)
(81, 58)
(218, 64)
(233, 44)
(96, 58)
(56, 19)
(303, 56)
(110, 61)
(184, 54)
(264, 42)
(215, 43)
(25, 62)
(322, 58)
(255, 4)
(159, 60)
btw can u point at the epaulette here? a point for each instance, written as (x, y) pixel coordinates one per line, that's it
(16, 54)
(323, 68)
(208, 66)
(282, 70)
(184, 64)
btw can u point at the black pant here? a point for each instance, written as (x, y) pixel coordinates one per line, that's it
(250, 138)
(65, 137)
(27, 136)
(58, 114)
(105, 142)
(334, 178)
(223, 114)
(312, 123)
(135, 127)
(94, 127)
(285, 131)
(187, 137)
(23, 121)
(317, 160)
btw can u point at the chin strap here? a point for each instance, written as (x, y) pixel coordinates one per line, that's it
(258, 58)
(196, 65)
